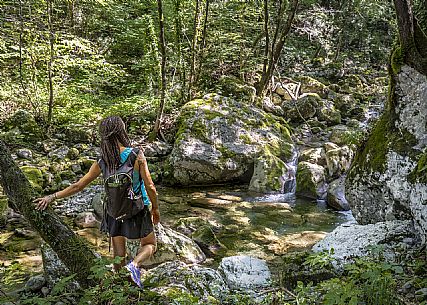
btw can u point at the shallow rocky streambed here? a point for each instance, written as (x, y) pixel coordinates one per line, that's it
(224, 221)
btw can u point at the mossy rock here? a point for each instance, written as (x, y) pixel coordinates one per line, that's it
(351, 83)
(25, 122)
(67, 175)
(219, 138)
(34, 176)
(343, 135)
(295, 267)
(234, 87)
(419, 174)
(85, 163)
(302, 109)
(327, 112)
(386, 180)
(78, 133)
(73, 153)
(311, 85)
(205, 237)
(310, 180)
(268, 173)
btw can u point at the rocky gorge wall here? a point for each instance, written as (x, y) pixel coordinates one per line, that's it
(388, 179)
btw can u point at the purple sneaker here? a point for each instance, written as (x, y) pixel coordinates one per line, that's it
(135, 274)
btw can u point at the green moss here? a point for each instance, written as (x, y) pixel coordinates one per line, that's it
(35, 176)
(305, 184)
(385, 136)
(397, 60)
(246, 138)
(419, 174)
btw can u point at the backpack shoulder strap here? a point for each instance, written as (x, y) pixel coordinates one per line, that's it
(102, 166)
(133, 155)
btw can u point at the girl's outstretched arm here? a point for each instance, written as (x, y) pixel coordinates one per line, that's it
(92, 174)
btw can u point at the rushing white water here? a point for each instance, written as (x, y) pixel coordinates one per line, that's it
(289, 180)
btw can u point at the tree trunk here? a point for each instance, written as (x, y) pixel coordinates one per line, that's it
(413, 41)
(277, 48)
(162, 44)
(71, 249)
(267, 38)
(49, 67)
(178, 40)
(194, 50)
(203, 42)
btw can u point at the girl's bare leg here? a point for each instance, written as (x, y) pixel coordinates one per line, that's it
(119, 249)
(148, 247)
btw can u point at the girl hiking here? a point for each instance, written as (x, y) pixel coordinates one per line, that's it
(116, 154)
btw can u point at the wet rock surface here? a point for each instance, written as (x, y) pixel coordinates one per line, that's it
(336, 195)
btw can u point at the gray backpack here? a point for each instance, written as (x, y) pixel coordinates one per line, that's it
(121, 202)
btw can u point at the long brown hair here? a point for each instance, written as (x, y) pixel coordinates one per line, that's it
(113, 132)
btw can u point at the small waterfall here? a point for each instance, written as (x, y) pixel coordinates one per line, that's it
(289, 180)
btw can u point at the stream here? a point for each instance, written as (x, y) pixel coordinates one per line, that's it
(264, 226)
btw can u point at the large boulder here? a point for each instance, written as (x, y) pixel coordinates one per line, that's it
(309, 84)
(219, 140)
(328, 113)
(388, 177)
(245, 272)
(303, 108)
(338, 159)
(313, 155)
(270, 173)
(352, 240)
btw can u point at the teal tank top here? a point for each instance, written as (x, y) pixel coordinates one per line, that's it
(138, 184)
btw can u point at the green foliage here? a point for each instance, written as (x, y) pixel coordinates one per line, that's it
(13, 274)
(61, 291)
(320, 260)
(370, 280)
(114, 286)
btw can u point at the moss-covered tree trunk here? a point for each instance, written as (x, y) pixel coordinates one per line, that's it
(71, 249)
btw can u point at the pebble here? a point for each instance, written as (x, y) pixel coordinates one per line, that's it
(25, 154)
(45, 291)
(35, 283)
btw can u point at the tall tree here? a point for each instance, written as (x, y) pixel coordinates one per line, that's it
(71, 249)
(50, 62)
(196, 27)
(162, 45)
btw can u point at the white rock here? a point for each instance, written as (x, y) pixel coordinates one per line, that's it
(245, 272)
(352, 240)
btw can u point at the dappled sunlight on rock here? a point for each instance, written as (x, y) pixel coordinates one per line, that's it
(296, 241)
